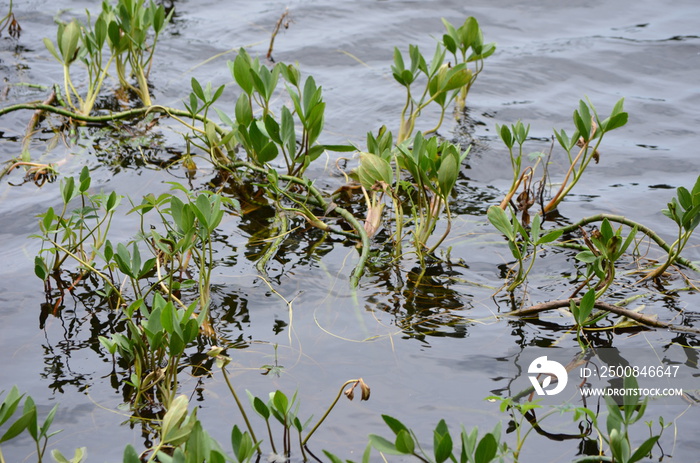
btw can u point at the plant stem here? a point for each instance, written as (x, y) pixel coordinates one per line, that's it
(269, 433)
(317, 197)
(636, 316)
(172, 112)
(328, 411)
(631, 223)
(240, 406)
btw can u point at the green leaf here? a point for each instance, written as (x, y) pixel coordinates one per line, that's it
(52, 49)
(486, 450)
(643, 450)
(48, 421)
(394, 424)
(404, 442)
(40, 268)
(58, 456)
(586, 256)
(586, 306)
(582, 120)
(550, 236)
(340, 148)
(449, 43)
(174, 417)
(68, 191)
(130, 455)
(280, 402)
(691, 218)
(244, 111)
(287, 132)
(443, 447)
(619, 445)
(447, 175)
(374, 169)
(332, 458)
(456, 78)
(197, 89)
(261, 408)
(273, 129)
(123, 260)
(499, 219)
(383, 445)
(68, 37)
(469, 33)
(9, 404)
(20, 425)
(84, 179)
(506, 135)
(197, 446)
(615, 122)
(290, 73)
(241, 71)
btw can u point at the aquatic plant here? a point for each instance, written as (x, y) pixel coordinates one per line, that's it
(126, 29)
(416, 173)
(605, 247)
(264, 138)
(443, 82)
(588, 135)
(470, 448)
(283, 409)
(684, 209)
(520, 240)
(153, 347)
(80, 234)
(9, 22)
(29, 421)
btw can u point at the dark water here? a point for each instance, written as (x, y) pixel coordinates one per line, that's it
(428, 353)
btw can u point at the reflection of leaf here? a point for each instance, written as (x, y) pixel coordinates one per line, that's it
(274, 369)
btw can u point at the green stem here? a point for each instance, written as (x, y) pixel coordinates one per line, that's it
(143, 87)
(128, 114)
(89, 267)
(402, 129)
(92, 96)
(317, 197)
(240, 405)
(447, 229)
(631, 223)
(269, 433)
(283, 226)
(566, 187)
(364, 252)
(301, 446)
(439, 123)
(328, 411)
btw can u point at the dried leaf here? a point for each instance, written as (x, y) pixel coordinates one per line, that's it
(365, 390)
(350, 392)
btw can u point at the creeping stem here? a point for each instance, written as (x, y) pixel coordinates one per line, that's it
(631, 223)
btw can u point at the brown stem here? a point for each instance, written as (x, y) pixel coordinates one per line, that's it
(279, 24)
(638, 317)
(556, 199)
(526, 173)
